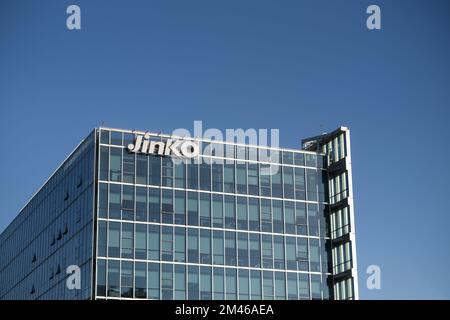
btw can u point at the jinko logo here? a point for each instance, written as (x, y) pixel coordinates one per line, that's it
(179, 148)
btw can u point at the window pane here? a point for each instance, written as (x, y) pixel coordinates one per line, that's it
(193, 208)
(153, 242)
(205, 246)
(192, 245)
(180, 245)
(180, 210)
(115, 170)
(127, 240)
(114, 239)
(205, 209)
(230, 210)
(154, 208)
(128, 166)
(205, 176)
(140, 280)
(113, 278)
(153, 280)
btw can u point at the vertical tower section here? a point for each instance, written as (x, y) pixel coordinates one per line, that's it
(336, 146)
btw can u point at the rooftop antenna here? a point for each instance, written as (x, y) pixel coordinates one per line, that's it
(321, 128)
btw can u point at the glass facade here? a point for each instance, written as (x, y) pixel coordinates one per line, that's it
(210, 228)
(51, 233)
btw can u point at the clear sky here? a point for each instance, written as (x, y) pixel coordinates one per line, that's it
(301, 66)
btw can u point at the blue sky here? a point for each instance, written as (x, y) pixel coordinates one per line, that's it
(300, 66)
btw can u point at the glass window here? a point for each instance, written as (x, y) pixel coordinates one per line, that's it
(154, 208)
(126, 280)
(316, 287)
(244, 286)
(116, 138)
(268, 292)
(264, 180)
(113, 278)
(141, 169)
(127, 240)
(230, 248)
(288, 182)
(255, 250)
(310, 160)
(242, 245)
(314, 254)
(231, 286)
(167, 281)
(289, 217)
(192, 245)
(228, 177)
(104, 136)
(205, 176)
(230, 212)
(128, 166)
(217, 213)
(303, 285)
(167, 243)
(205, 209)
(180, 244)
(278, 223)
(241, 177)
(218, 256)
(253, 185)
(292, 287)
(101, 278)
(277, 187)
(217, 177)
(115, 201)
(153, 280)
(205, 246)
(180, 210)
(313, 220)
(140, 280)
(115, 169)
(255, 285)
(300, 186)
(141, 204)
(323, 186)
(266, 215)
(299, 159)
(311, 178)
(140, 251)
(219, 288)
(104, 163)
(193, 208)
(114, 239)
(241, 212)
(192, 176)
(154, 170)
(128, 203)
(167, 172)
(288, 157)
(180, 175)
(167, 205)
(253, 214)
(267, 251)
(291, 256)
(278, 243)
(193, 283)
(300, 218)
(103, 200)
(180, 282)
(205, 283)
(153, 242)
(102, 245)
(280, 286)
(302, 254)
